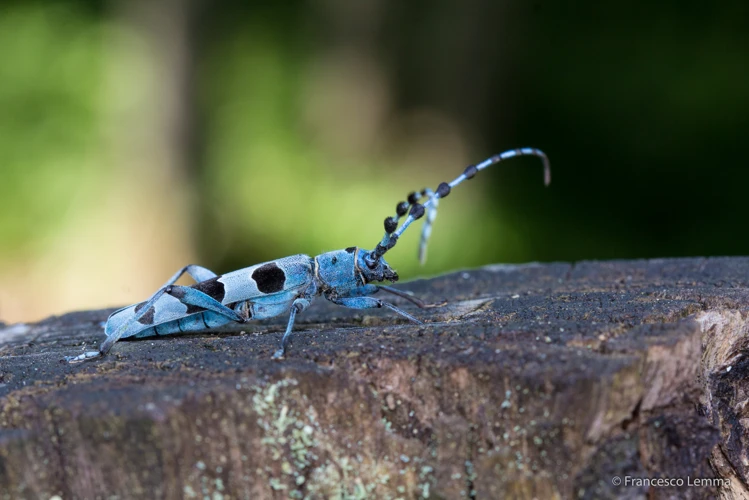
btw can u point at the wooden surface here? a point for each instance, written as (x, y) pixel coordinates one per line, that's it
(534, 381)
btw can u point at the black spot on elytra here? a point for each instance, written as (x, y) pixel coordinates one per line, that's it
(351, 249)
(178, 293)
(212, 287)
(191, 309)
(147, 318)
(334, 260)
(269, 278)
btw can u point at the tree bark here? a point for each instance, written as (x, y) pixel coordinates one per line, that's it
(532, 381)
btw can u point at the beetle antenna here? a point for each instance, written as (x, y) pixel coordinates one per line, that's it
(417, 210)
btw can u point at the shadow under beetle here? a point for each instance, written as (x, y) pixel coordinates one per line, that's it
(267, 290)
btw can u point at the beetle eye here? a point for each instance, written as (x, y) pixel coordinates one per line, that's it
(371, 263)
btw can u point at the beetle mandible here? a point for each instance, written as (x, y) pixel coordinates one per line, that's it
(266, 290)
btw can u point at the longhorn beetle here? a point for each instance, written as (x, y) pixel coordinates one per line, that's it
(267, 290)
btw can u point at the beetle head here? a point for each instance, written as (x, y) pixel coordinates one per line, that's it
(375, 269)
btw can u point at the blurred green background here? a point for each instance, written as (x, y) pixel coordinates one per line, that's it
(138, 136)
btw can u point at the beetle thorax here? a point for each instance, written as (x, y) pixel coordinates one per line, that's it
(338, 271)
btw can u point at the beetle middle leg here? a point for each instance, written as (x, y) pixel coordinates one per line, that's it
(297, 306)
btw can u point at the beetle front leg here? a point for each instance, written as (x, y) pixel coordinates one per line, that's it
(371, 303)
(365, 290)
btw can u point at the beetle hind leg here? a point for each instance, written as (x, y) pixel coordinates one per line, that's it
(198, 273)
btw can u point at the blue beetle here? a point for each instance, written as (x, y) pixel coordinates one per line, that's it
(266, 290)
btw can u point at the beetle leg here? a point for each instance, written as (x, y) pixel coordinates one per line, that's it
(198, 273)
(371, 303)
(370, 289)
(297, 306)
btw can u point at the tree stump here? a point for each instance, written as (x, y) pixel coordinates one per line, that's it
(585, 380)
